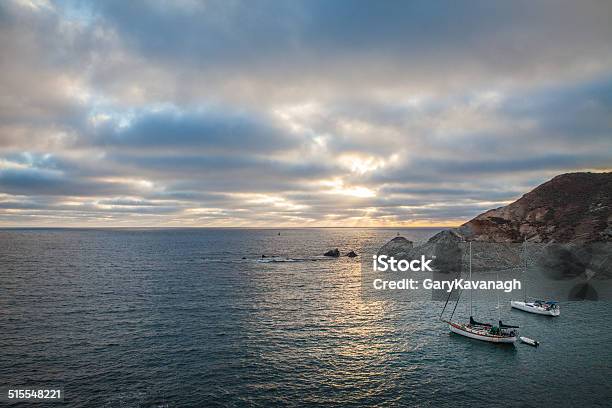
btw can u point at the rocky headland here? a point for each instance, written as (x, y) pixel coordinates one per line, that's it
(567, 223)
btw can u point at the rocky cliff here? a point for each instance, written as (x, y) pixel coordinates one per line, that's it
(572, 207)
(567, 221)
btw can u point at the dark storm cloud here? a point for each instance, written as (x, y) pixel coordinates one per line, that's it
(574, 111)
(429, 193)
(539, 162)
(26, 181)
(33, 181)
(230, 33)
(210, 129)
(235, 113)
(41, 55)
(23, 205)
(223, 165)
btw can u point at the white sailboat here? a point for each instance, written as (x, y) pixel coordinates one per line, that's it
(541, 307)
(547, 308)
(501, 333)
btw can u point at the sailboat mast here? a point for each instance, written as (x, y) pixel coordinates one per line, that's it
(498, 307)
(471, 290)
(525, 269)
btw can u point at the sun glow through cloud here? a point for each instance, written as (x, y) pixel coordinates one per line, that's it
(337, 186)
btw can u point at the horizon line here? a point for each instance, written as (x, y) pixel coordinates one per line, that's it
(221, 227)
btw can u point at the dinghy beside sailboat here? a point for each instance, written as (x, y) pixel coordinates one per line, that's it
(529, 341)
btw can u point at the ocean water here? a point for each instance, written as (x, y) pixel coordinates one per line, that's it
(177, 318)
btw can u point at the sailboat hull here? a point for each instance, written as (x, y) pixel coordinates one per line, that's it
(479, 334)
(532, 308)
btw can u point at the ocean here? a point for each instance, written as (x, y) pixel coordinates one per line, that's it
(196, 317)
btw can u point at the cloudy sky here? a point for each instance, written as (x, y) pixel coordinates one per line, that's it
(295, 113)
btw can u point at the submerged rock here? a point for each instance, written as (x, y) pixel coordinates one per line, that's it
(333, 253)
(351, 254)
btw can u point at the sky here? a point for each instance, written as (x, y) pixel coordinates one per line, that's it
(295, 113)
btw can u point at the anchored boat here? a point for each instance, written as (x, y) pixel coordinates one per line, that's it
(541, 307)
(548, 308)
(502, 333)
(486, 332)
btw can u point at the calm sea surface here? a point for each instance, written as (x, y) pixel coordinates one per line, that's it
(178, 318)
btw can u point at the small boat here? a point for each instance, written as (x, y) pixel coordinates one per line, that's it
(502, 333)
(529, 341)
(541, 307)
(548, 308)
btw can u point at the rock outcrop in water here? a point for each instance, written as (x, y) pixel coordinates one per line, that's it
(335, 253)
(448, 251)
(397, 247)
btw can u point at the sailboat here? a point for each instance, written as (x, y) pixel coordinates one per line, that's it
(541, 307)
(502, 333)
